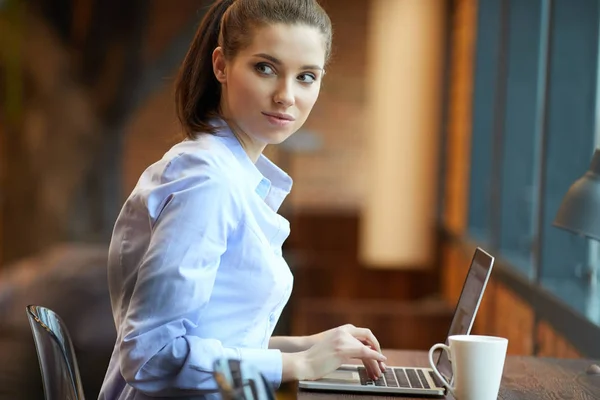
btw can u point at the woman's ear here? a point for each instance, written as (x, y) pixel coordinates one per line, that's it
(219, 65)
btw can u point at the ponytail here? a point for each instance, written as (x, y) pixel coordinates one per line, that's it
(197, 91)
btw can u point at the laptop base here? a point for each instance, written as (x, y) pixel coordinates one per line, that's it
(408, 381)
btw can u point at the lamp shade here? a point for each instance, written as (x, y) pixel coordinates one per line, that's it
(579, 211)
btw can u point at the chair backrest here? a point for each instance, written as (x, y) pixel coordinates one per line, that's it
(238, 380)
(60, 373)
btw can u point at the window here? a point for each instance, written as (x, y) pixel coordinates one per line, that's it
(533, 135)
(569, 133)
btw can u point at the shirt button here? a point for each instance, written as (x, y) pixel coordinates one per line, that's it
(271, 318)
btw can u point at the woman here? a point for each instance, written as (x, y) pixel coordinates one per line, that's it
(195, 265)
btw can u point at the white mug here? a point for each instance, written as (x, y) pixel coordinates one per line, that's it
(477, 365)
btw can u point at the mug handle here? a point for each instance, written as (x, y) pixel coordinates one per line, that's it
(445, 348)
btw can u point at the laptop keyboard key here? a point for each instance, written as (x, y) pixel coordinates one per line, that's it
(390, 378)
(364, 378)
(423, 379)
(402, 379)
(362, 375)
(380, 381)
(413, 378)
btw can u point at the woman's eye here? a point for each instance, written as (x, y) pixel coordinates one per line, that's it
(307, 78)
(264, 69)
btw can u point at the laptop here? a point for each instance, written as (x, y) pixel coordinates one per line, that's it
(407, 380)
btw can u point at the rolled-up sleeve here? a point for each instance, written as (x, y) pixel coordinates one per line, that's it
(174, 282)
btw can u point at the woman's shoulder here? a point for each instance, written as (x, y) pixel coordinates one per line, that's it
(188, 169)
(187, 164)
(205, 158)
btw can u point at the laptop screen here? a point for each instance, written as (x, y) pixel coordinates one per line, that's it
(468, 303)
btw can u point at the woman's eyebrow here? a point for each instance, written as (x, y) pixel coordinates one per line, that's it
(276, 61)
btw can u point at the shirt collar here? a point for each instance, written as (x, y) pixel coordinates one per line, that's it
(269, 181)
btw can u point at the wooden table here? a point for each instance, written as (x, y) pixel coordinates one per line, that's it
(524, 378)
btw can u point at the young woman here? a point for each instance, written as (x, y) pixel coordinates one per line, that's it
(195, 265)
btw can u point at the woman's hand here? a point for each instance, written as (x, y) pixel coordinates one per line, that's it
(338, 346)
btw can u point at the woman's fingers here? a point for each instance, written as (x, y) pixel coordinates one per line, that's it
(365, 352)
(372, 368)
(365, 335)
(382, 366)
(353, 348)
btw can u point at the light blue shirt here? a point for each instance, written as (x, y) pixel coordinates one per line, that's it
(196, 271)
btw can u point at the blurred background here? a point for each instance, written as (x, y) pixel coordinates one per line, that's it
(442, 125)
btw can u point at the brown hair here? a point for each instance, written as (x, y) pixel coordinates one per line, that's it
(226, 24)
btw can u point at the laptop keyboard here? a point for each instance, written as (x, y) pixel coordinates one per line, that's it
(399, 377)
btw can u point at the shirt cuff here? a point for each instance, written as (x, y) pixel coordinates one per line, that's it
(268, 362)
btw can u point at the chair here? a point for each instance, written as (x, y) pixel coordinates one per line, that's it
(241, 381)
(60, 374)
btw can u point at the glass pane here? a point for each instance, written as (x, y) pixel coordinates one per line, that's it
(526, 46)
(487, 63)
(570, 126)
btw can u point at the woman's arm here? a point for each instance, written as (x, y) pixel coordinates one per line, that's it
(294, 344)
(291, 344)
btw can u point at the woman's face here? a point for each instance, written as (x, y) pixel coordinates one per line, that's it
(270, 87)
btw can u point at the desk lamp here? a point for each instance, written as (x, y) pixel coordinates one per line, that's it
(579, 211)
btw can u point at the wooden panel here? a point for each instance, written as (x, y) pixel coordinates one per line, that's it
(324, 233)
(513, 319)
(322, 252)
(484, 322)
(2, 185)
(333, 278)
(456, 259)
(502, 312)
(551, 344)
(455, 265)
(464, 26)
